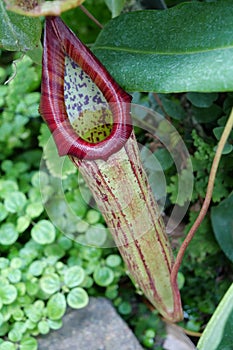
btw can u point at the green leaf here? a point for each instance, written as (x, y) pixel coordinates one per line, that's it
(125, 308)
(7, 187)
(4, 263)
(59, 167)
(34, 209)
(6, 345)
(50, 283)
(77, 298)
(96, 235)
(202, 100)
(93, 216)
(218, 334)
(56, 308)
(113, 260)
(162, 51)
(43, 232)
(43, 327)
(206, 115)
(115, 6)
(164, 158)
(14, 275)
(103, 276)
(8, 294)
(4, 328)
(18, 33)
(40, 178)
(221, 218)
(15, 202)
(55, 324)
(28, 343)
(74, 276)
(172, 107)
(3, 212)
(54, 251)
(32, 287)
(8, 234)
(33, 313)
(22, 223)
(15, 335)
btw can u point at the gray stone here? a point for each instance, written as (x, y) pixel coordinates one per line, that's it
(96, 327)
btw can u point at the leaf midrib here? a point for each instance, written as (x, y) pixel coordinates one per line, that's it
(147, 52)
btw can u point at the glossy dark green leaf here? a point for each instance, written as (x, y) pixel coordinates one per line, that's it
(17, 32)
(218, 334)
(186, 48)
(222, 222)
(202, 100)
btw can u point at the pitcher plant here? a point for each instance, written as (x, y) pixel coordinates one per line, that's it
(88, 114)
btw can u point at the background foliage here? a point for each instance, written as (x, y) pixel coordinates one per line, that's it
(42, 270)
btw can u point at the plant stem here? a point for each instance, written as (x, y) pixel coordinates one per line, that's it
(91, 16)
(207, 200)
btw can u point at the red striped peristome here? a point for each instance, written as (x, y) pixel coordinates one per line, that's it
(122, 192)
(59, 41)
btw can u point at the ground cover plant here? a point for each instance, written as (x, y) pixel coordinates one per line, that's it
(43, 271)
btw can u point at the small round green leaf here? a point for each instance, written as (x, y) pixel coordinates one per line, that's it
(96, 235)
(1, 319)
(18, 314)
(6, 345)
(55, 324)
(43, 327)
(36, 268)
(93, 216)
(28, 343)
(22, 223)
(15, 202)
(125, 308)
(15, 335)
(8, 293)
(56, 308)
(34, 209)
(65, 243)
(32, 288)
(43, 232)
(54, 250)
(77, 298)
(14, 275)
(74, 276)
(40, 178)
(7, 187)
(4, 328)
(113, 260)
(3, 212)
(33, 313)
(8, 234)
(16, 263)
(4, 263)
(103, 276)
(50, 283)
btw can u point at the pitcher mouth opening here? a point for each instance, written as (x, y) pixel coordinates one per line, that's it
(75, 85)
